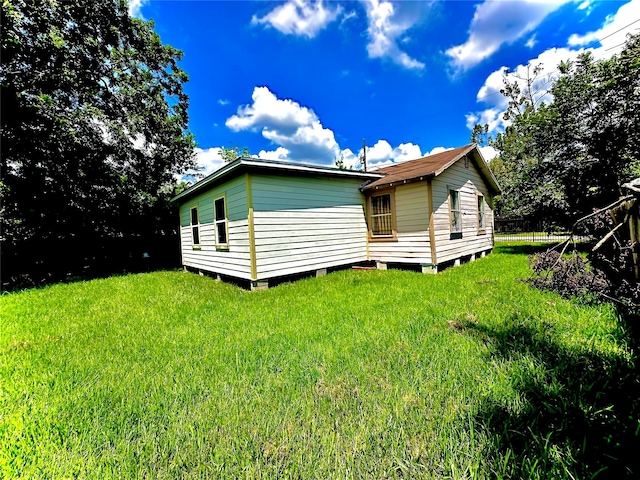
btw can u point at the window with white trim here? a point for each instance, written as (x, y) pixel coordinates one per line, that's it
(220, 220)
(195, 227)
(455, 218)
(481, 225)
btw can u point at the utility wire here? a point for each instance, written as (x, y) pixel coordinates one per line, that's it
(611, 34)
(556, 71)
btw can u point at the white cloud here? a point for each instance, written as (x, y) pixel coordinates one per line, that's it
(381, 154)
(287, 124)
(279, 153)
(299, 136)
(496, 23)
(299, 17)
(615, 28)
(208, 160)
(587, 5)
(490, 116)
(435, 150)
(223, 101)
(490, 95)
(135, 8)
(386, 28)
(488, 152)
(406, 151)
(531, 42)
(348, 16)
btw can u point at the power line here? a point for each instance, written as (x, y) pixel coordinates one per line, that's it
(620, 29)
(619, 45)
(556, 71)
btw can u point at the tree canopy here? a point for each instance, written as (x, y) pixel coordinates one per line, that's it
(94, 129)
(558, 161)
(229, 154)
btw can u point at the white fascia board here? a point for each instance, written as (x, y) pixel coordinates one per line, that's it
(275, 166)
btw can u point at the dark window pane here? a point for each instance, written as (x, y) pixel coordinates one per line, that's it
(455, 203)
(222, 232)
(195, 232)
(455, 221)
(220, 213)
(194, 216)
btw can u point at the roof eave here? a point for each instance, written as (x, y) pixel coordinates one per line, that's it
(221, 172)
(488, 174)
(454, 160)
(272, 166)
(382, 186)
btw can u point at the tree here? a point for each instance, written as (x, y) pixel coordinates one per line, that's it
(94, 132)
(559, 161)
(232, 153)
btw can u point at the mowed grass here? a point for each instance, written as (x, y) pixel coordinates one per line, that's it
(360, 374)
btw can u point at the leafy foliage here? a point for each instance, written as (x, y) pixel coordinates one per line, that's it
(94, 122)
(607, 271)
(232, 153)
(570, 276)
(559, 161)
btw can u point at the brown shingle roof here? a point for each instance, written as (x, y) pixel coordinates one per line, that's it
(430, 166)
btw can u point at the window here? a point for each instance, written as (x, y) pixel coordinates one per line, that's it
(480, 212)
(381, 216)
(454, 211)
(220, 220)
(195, 227)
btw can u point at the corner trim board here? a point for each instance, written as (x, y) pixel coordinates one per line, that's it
(252, 232)
(432, 235)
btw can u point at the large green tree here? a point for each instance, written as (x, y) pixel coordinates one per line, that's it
(559, 161)
(94, 131)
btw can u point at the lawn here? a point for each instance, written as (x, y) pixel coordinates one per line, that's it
(374, 374)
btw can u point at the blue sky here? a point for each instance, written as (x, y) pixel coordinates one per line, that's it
(307, 81)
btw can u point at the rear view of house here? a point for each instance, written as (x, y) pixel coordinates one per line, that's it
(258, 220)
(261, 219)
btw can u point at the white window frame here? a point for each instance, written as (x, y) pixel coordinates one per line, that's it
(218, 222)
(455, 227)
(195, 227)
(481, 214)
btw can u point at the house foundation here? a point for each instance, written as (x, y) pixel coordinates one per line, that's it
(259, 285)
(429, 268)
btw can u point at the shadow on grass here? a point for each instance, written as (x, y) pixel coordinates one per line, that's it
(580, 416)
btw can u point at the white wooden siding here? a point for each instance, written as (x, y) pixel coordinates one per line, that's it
(236, 262)
(412, 222)
(468, 181)
(304, 224)
(294, 241)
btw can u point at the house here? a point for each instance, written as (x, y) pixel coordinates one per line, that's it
(258, 220)
(433, 210)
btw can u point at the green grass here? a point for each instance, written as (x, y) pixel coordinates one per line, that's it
(468, 373)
